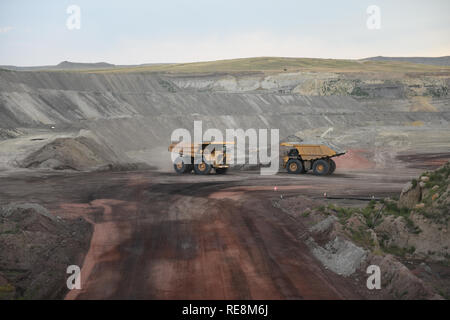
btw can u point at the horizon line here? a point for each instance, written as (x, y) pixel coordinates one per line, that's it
(216, 60)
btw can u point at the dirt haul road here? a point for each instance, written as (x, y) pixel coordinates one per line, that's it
(163, 236)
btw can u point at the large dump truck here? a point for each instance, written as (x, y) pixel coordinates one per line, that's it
(210, 155)
(301, 158)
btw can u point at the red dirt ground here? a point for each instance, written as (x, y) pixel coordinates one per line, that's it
(164, 236)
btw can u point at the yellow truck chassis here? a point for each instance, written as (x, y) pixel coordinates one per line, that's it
(188, 153)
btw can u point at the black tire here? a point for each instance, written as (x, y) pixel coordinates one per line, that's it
(189, 168)
(294, 166)
(332, 166)
(221, 170)
(321, 167)
(202, 168)
(181, 167)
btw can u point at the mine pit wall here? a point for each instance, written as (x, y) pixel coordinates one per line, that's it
(136, 113)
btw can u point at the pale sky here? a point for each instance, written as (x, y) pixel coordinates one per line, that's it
(139, 31)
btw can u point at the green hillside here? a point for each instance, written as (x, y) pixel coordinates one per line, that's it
(277, 64)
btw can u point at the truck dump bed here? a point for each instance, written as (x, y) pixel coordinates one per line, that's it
(314, 151)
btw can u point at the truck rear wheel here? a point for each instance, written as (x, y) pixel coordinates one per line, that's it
(202, 168)
(332, 166)
(294, 166)
(181, 167)
(321, 167)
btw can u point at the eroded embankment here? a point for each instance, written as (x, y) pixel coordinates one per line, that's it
(135, 114)
(407, 237)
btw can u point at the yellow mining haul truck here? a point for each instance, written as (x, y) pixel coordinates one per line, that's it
(211, 155)
(301, 158)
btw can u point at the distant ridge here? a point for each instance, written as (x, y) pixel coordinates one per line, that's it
(438, 61)
(65, 65)
(81, 65)
(69, 65)
(260, 64)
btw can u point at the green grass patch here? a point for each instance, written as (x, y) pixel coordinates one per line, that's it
(279, 64)
(357, 91)
(362, 238)
(306, 213)
(6, 288)
(397, 251)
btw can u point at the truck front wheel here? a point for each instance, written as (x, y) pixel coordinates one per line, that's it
(294, 166)
(181, 167)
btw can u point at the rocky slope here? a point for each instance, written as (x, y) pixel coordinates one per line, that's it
(134, 113)
(407, 238)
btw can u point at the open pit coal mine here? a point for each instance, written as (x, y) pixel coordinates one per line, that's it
(86, 179)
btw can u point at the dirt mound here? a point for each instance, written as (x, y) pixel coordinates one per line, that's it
(36, 248)
(81, 153)
(399, 282)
